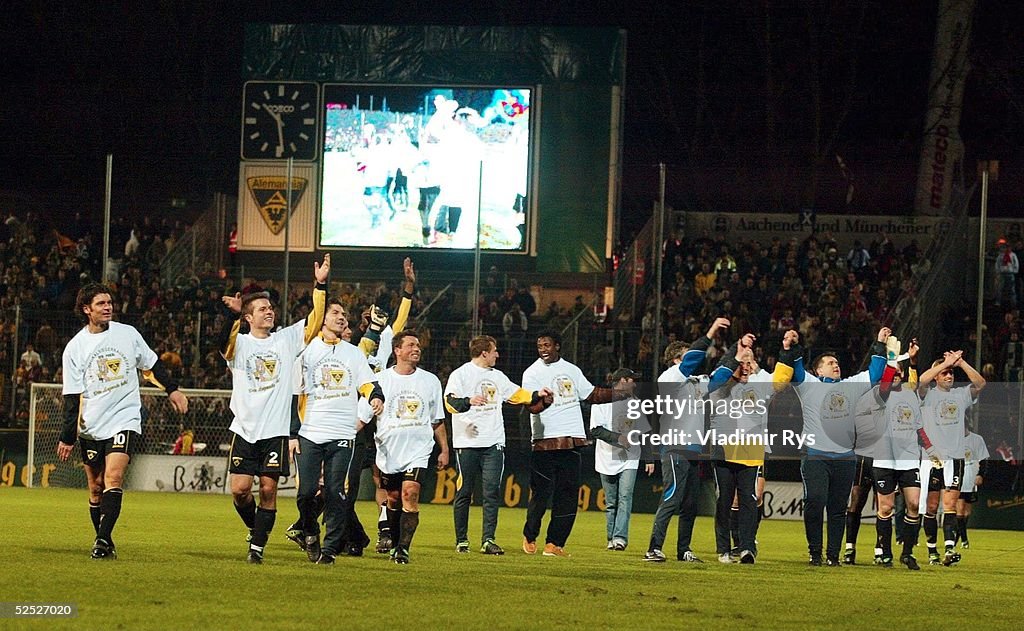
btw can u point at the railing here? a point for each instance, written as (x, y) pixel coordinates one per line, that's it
(918, 311)
(597, 347)
(200, 251)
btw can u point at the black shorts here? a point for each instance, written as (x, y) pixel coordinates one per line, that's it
(887, 481)
(958, 475)
(937, 477)
(864, 476)
(969, 498)
(393, 481)
(268, 456)
(94, 452)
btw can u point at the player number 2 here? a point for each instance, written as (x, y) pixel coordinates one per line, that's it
(272, 458)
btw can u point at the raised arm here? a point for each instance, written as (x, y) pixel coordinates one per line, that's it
(402, 317)
(730, 366)
(232, 326)
(790, 366)
(876, 368)
(912, 378)
(949, 359)
(315, 319)
(977, 381)
(694, 357)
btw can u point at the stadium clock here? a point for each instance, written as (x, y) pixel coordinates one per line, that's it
(279, 120)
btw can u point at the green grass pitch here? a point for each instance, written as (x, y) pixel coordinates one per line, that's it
(182, 566)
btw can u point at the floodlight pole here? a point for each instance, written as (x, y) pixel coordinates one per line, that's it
(981, 264)
(287, 243)
(659, 237)
(476, 253)
(106, 217)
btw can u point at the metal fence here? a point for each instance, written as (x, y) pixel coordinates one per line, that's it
(200, 251)
(191, 337)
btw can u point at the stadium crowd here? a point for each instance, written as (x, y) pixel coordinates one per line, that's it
(835, 299)
(42, 268)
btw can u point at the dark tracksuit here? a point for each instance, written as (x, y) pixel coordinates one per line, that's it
(679, 469)
(828, 473)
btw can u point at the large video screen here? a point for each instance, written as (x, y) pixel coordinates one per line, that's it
(402, 167)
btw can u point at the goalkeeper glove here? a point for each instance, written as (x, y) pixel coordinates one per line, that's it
(378, 319)
(933, 455)
(892, 351)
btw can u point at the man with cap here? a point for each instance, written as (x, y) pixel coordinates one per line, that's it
(617, 455)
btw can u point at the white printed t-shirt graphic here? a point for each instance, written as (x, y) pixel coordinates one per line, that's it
(405, 431)
(468, 380)
(263, 381)
(564, 416)
(332, 375)
(103, 368)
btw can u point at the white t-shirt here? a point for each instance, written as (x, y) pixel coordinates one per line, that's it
(468, 380)
(405, 431)
(332, 375)
(564, 417)
(869, 424)
(690, 393)
(898, 448)
(379, 358)
(103, 368)
(262, 382)
(944, 414)
(743, 412)
(828, 411)
(975, 451)
(364, 412)
(612, 459)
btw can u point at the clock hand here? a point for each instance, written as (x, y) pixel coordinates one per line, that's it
(272, 113)
(280, 129)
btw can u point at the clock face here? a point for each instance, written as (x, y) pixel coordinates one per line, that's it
(279, 120)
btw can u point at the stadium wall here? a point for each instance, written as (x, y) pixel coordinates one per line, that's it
(844, 229)
(1000, 510)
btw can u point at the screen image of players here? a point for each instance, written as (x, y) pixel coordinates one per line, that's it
(417, 168)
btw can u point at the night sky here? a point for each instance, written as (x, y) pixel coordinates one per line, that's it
(160, 88)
